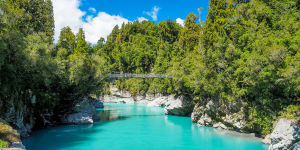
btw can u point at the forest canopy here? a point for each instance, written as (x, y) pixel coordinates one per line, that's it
(245, 50)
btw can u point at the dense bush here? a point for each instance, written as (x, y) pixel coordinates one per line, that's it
(245, 50)
(35, 72)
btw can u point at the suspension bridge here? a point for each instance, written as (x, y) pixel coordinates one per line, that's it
(143, 76)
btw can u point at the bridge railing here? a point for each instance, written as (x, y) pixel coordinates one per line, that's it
(129, 75)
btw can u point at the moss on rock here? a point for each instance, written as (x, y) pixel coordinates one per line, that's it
(7, 135)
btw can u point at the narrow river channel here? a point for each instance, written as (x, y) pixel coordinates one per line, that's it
(138, 127)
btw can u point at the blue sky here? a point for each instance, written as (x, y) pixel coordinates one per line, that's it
(98, 17)
(132, 9)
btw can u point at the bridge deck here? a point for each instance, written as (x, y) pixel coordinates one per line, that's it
(129, 75)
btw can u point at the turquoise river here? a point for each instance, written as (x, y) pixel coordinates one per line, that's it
(138, 127)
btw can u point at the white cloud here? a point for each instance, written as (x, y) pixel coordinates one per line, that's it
(153, 13)
(93, 10)
(101, 26)
(180, 21)
(141, 19)
(67, 13)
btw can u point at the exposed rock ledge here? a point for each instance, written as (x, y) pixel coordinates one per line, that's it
(85, 112)
(180, 106)
(286, 136)
(15, 146)
(10, 135)
(174, 105)
(231, 116)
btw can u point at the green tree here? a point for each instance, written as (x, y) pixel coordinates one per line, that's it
(66, 40)
(81, 44)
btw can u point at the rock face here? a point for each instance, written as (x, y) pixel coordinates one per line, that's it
(118, 96)
(160, 101)
(19, 115)
(286, 136)
(85, 112)
(18, 145)
(181, 106)
(230, 116)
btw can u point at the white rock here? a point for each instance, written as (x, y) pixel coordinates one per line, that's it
(219, 125)
(179, 106)
(160, 101)
(204, 120)
(285, 135)
(84, 112)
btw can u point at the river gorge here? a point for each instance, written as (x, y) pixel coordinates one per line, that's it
(135, 127)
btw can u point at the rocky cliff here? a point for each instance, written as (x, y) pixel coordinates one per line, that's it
(285, 136)
(226, 116)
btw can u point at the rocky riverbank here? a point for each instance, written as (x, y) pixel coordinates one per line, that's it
(229, 116)
(174, 105)
(83, 113)
(202, 113)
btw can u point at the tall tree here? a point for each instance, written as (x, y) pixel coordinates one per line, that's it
(189, 35)
(67, 40)
(81, 44)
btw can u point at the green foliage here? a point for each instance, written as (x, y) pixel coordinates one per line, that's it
(66, 40)
(81, 44)
(245, 50)
(291, 112)
(259, 121)
(4, 144)
(37, 73)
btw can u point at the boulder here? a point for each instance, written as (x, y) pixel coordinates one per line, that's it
(159, 101)
(220, 126)
(84, 112)
(180, 106)
(205, 120)
(286, 136)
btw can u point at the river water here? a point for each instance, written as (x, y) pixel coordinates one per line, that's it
(138, 127)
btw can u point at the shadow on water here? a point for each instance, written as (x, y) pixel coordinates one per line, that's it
(59, 137)
(66, 136)
(131, 127)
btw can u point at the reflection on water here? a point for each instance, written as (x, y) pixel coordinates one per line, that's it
(137, 127)
(108, 115)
